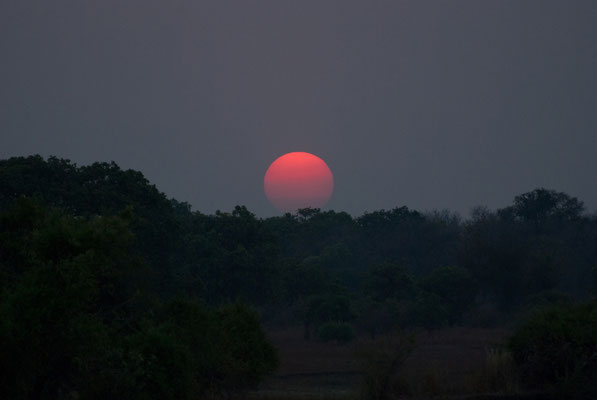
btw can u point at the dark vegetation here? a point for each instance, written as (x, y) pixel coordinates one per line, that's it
(110, 290)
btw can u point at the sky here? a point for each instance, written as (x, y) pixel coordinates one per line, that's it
(425, 104)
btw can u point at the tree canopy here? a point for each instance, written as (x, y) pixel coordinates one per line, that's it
(102, 275)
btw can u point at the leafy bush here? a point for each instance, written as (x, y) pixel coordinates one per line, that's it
(342, 332)
(559, 345)
(245, 355)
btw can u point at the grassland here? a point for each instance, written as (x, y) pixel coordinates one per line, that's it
(455, 363)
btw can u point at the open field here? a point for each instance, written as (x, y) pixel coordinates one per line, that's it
(443, 361)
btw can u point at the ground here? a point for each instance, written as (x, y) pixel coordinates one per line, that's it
(312, 369)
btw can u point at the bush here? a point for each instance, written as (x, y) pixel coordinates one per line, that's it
(341, 332)
(227, 348)
(245, 355)
(380, 362)
(558, 346)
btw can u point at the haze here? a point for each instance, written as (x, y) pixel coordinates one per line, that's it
(425, 104)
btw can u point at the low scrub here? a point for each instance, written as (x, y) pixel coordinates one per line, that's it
(556, 348)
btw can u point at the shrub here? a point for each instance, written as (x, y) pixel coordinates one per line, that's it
(558, 346)
(244, 352)
(228, 350)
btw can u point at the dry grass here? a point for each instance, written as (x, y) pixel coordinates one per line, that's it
(497, 375)
(447, 362)
(299, 396)
(381, 361)
(300, 356)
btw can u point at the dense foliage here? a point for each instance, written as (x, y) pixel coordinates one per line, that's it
(557, 347)
(77, 319)
(100, 275)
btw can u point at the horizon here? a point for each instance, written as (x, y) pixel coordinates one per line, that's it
(428, 105)
(463, 217)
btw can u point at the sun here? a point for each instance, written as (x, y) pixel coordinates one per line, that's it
(298, 180)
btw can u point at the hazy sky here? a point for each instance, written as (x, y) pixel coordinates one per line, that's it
(429, 104)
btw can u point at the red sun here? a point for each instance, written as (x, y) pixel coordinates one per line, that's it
(298, 180)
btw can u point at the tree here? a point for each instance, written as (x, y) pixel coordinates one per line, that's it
(69, 287)
(399, 235)
(98, 189)
(540, 243)
(230, 256)
(429, 311)
(376, 317)
(594, 283)
(77, 321)
(542, 205)
(247, 353)
(227, 348)
(319, 309)
(455, 287)
(341, 332)
(301, 280)
(389, 281)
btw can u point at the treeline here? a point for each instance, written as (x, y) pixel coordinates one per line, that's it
(83, 255)
(99, 254)
(539, 248)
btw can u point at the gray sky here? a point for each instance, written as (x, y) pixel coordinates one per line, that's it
(429, 104)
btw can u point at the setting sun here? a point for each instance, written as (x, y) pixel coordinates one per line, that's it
(298, 180)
